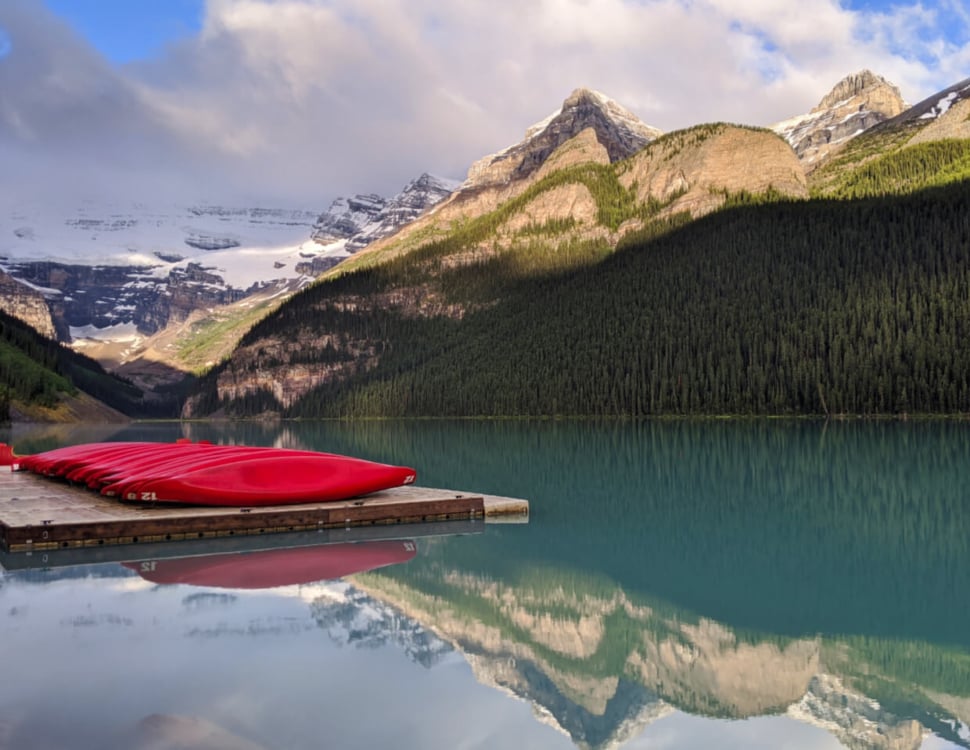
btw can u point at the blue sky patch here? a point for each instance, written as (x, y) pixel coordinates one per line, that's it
(125, 31)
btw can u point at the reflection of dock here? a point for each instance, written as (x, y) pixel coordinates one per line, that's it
(63, 557)
(40, 514)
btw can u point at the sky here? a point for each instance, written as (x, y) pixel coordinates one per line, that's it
(292, 103)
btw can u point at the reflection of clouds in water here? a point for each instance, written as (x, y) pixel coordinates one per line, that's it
(5, 44)
(681, 730)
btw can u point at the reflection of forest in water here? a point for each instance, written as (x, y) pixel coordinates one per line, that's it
(729, 569)
(787, 527)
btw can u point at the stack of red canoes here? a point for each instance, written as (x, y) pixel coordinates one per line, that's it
(206, 474)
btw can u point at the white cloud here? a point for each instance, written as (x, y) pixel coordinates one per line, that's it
(297, 101)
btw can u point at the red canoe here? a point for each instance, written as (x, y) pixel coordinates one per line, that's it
(277, 567)
(202, 474)
(125, 480)
(275, 479)
(59, 461)
(7, 456)
(121, 457)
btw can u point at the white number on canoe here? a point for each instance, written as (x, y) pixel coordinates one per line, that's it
(145, 497)
(148, 566)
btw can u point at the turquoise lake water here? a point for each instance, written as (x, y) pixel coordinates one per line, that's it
(696, 584)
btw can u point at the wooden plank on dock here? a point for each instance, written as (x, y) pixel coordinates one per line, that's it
(38, 513)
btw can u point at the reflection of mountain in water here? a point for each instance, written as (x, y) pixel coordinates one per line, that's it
(727, 569)
(858, 721)
(614, 712)
(601, 665)
(351, 617)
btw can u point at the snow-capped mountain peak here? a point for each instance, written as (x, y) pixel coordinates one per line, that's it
(620, 131)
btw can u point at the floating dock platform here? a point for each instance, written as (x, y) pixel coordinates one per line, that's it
(44, 514)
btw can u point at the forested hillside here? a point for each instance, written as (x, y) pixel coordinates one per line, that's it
(897, 169)
(708, 273)
(802, 307)
(38, 372)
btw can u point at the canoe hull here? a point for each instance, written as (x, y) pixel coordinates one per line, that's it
(271, 480)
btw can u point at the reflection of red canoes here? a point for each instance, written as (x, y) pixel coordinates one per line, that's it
(205, 474)
(276, 567)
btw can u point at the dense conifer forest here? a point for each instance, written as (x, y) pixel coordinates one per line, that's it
(27, 367)
(818, 307)
(36, 371)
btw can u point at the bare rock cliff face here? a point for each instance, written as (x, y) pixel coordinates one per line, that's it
(102, 296)
(932, 108)
(583, 148)
(346, 217)
(570, 201)
(695, 168)
(26, 304)
(862, 87)
(857, 103)
(560, 203)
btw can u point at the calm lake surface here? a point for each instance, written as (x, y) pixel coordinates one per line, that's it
(678, 585)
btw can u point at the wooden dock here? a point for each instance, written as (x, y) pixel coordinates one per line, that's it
(42, 514)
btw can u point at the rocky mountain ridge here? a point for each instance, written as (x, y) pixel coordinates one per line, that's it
(696, 169)
(111, 273)
(855, 104)
(566, 216)
(620, 132)
(350, 224)
(947, 107)
(589, 127)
